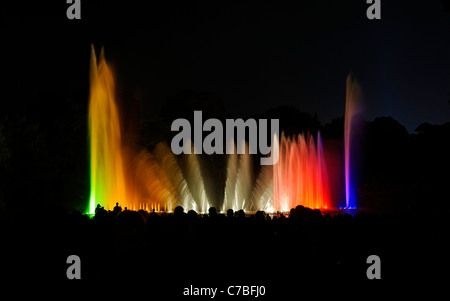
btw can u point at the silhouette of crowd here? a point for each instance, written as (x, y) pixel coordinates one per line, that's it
(184, 247)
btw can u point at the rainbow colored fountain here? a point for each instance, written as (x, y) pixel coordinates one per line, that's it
(138, 179)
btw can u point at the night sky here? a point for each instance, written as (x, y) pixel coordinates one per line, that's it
(253, 55)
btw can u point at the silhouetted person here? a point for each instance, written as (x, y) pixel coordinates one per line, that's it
(230, 213)
(153, 214)
(192, 214)
(212, 212)
(240, 214)
(178, 211)
(117, 208)
(260, 215)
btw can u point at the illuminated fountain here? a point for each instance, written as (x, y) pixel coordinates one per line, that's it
(118, 174)
(242, 191)
(106, 165)
(196, 185)
(160, 181)
(352, 110)
(239, 182)
(300, 176)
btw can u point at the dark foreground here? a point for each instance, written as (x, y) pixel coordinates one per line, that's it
(169, 252)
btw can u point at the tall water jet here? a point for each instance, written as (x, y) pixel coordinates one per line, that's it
(107, 183)
(352, 107)
(300, 176)
(118, 172)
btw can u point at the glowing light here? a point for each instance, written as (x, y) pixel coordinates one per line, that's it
(91, 209)
(106, 169)
(300, 176)
(159, 181)
(116, 173)
(351, 108)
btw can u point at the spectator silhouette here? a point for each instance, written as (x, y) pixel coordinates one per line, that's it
(135, 241)
(192, 215)
(153, 214)
(212, 212)
(117, 208)
(179, 211)
(260, 215)
(240, 214)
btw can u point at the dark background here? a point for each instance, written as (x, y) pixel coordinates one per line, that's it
(252, 55)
